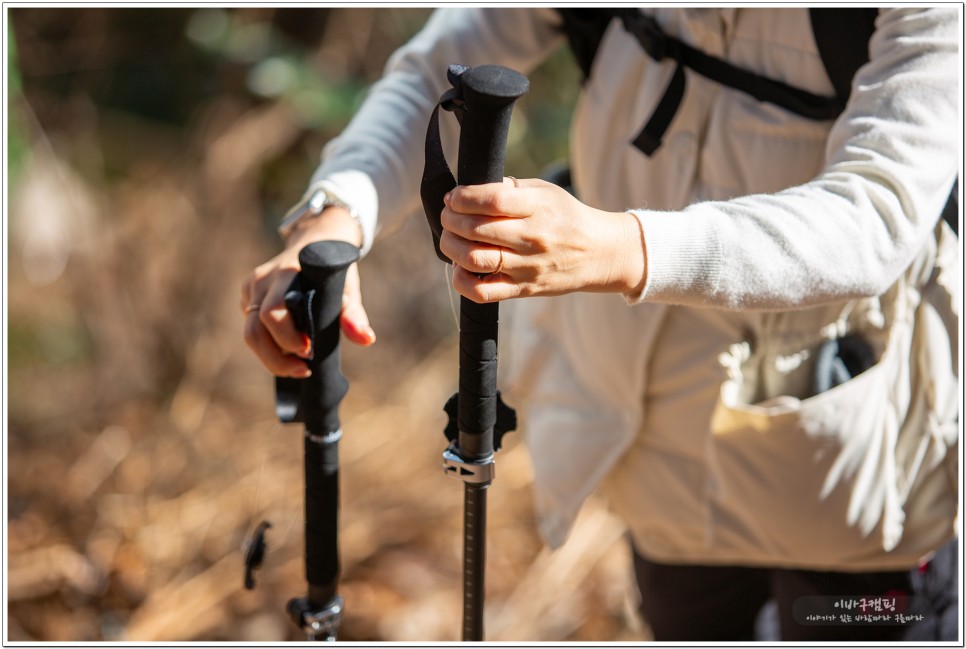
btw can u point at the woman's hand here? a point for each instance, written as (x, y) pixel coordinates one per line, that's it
(530, 237)
(269, 329)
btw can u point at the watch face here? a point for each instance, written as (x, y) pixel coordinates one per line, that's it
(313, 206)
(317, 201)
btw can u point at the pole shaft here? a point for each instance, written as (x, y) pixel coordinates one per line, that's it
(321, 520)
(474, 560)
(489, 93)
(316, 296)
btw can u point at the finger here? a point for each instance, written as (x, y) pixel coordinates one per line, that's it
(260, 341)
(493, 199)
(354, 319)
(496, 231)
(473, 256)
(490, 288)
(245, 298)
(277, 320)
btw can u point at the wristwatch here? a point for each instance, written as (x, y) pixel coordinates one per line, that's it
(311, 206)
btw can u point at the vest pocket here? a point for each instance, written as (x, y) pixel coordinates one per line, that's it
(844, 476)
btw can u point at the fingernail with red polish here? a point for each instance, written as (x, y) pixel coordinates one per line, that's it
(306, 350)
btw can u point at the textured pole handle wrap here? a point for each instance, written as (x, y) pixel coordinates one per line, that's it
(489, 92)
(324, 265)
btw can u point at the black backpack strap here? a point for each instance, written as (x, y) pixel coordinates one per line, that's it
(950, 213)
(584, 29)
(660, 46)
(842, 37)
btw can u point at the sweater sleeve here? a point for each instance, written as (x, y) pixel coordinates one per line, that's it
(375, 165)
(891, 158)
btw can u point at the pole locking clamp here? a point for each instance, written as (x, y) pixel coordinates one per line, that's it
(318, 624)
(477, 473)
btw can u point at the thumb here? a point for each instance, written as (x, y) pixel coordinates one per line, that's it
(354, 320)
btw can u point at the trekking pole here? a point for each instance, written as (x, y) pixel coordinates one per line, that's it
(315, 301)
(483, 98)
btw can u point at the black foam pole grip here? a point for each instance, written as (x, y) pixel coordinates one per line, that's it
(324, 265)
(489, 92)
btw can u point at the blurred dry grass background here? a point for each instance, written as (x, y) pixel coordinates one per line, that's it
(151, 152)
